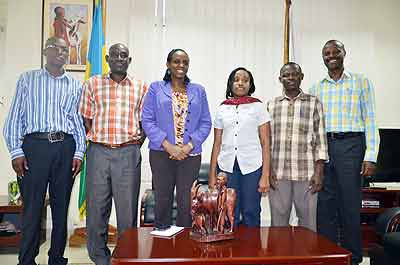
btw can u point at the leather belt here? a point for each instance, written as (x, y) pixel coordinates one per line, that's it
(52, 137)
(113, 146)
(343, 135)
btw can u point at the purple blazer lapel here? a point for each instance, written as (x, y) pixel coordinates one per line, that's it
(166, 88)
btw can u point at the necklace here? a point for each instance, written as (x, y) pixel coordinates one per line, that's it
(179, 89)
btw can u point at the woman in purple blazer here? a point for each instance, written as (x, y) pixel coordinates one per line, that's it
(176, 119)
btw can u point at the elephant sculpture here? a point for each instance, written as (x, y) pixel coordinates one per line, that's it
(213, 210)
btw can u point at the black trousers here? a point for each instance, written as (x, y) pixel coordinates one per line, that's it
(49, 164)
(339, 202)
(167, 174)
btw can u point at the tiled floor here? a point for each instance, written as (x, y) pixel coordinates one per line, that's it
(76, 256)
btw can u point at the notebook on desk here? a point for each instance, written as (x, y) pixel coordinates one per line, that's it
(173, 230)
(385, 185)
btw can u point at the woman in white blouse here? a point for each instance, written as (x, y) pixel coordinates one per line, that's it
(242, 146)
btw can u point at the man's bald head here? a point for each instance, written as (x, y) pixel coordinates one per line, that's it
(118, 46)
(333, 54)
(118, 58)
(54, 40)
(335, 43)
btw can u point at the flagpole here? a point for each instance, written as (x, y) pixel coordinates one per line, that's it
(104, 11)
(286, 34)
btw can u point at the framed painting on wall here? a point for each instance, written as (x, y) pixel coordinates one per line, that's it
(70, 20)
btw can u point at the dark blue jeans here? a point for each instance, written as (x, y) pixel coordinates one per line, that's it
(340, 200)
(247, 209)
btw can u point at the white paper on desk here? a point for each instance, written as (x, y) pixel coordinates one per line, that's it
(386, 185)
(168, 232)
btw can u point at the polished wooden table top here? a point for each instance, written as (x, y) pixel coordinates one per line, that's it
(265, 245)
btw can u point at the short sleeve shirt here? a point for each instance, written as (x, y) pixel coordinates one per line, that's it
(240, 137)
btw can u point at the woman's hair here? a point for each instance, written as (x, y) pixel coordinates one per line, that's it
(231, 79)
(167, 76)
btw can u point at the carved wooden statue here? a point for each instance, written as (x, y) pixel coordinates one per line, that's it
(213, 211)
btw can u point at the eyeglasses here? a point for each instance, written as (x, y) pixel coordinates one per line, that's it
(60, 49)
(117, 55)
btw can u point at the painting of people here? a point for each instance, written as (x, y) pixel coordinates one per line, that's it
(70, 20)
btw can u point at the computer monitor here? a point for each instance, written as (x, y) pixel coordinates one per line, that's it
(388, 162)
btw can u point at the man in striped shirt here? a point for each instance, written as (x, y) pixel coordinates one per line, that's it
(299, 150)
(46, 138)
(353, 142)
(111, 106)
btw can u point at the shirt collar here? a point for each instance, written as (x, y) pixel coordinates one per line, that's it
(126, 79)
(345, 75)
(300, 96)
(64, 75)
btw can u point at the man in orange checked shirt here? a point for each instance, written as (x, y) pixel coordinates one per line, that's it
(111, 106)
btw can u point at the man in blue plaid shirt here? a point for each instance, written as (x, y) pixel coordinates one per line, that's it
(349, 105)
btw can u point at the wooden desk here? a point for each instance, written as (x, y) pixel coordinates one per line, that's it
(7, 208)
(284, 246)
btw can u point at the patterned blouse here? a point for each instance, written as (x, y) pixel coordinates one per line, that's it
(180, 107)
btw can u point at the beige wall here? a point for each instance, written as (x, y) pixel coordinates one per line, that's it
(22, 52)
(369, 28)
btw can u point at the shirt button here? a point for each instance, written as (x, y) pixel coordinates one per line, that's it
(237, 122)
(186, 130)
(235, 148)
(187, 120)
(235, 134)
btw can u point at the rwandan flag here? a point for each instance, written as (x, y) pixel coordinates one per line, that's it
(96, 65)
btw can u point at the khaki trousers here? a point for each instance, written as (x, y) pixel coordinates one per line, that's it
(286, 194)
